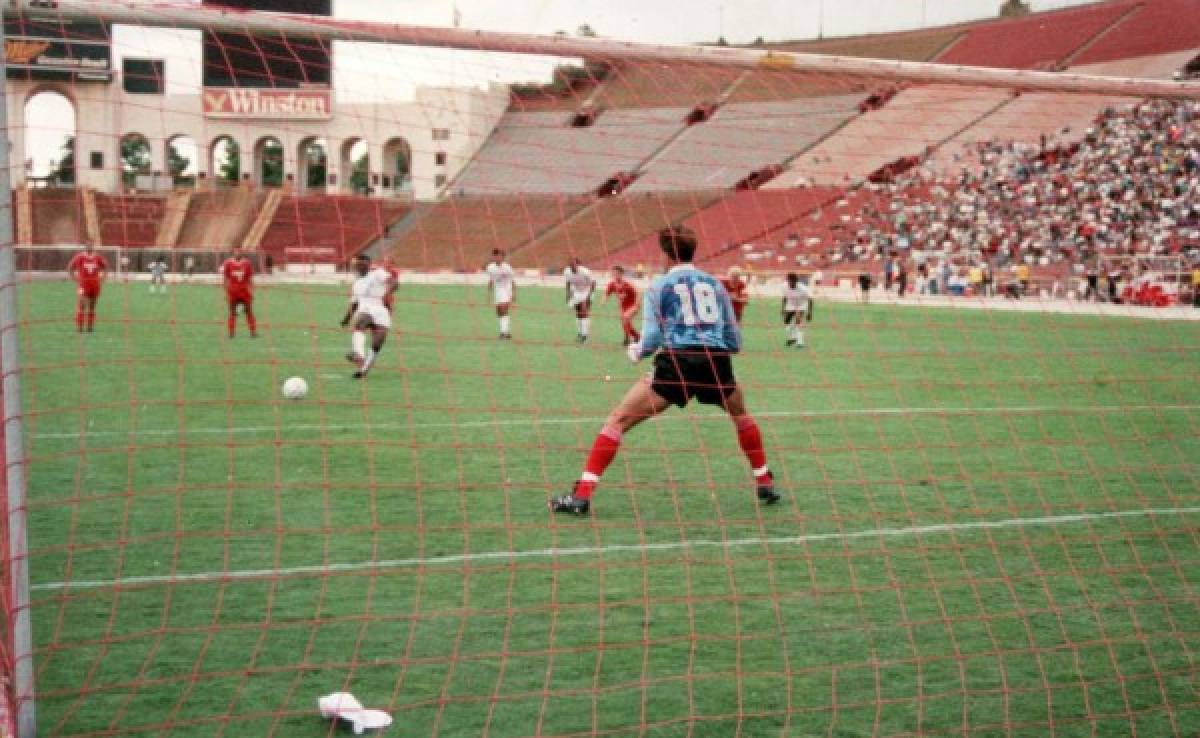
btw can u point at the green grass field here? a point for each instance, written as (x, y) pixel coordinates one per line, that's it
(989, 526)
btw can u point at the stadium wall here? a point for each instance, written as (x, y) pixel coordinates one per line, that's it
(104, 113)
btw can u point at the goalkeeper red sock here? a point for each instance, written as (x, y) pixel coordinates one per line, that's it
(231, 324)
(604, 450)
(750, 439)
(78, 320)
(251, 322)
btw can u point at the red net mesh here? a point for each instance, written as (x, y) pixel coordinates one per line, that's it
(986, 458)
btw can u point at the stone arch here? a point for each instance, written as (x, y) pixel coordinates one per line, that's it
(268, 162)
(137, 159)
(49, 149)
(397, 165)
(356, 165)
(225, 159)
(182, 158)
(312, 164)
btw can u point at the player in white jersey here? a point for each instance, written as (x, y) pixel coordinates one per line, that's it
(797, 309)
(369, 311)
(503, 285)
(158, 275)
(580, 285)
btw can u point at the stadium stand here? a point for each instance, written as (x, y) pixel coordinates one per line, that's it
(727, 225)
(1030, 118)
(459, 233)
(609, 225)
(741, 138)
(1160, 66)
(914, 121)
(325, 229)
(129, 220)
(1042, 40)
(921, 45)
(652, 84)
(529, 152)
(56, 216)
(1158, 27)
(1130, 187)
(217, 220)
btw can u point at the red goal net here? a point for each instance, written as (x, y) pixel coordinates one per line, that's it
(964, 297)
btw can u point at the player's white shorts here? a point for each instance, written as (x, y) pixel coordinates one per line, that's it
(577, 299)
(378, 314)
(502, 296)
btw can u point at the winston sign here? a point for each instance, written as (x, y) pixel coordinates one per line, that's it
(230, 102)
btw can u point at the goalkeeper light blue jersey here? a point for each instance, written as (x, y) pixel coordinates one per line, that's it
(688, 308)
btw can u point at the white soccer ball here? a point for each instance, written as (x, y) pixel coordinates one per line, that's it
(295, 388)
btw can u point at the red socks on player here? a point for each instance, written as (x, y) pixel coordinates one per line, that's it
(231, 324)
(750, 439)
(84, 319)
(604, 450)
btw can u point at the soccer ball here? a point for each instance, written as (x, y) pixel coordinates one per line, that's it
(295, 388)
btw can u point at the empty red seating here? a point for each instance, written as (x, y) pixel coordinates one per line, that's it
(459, 233)
(1034, 41)
(57, 216)
(1158, 27)
(129, 220)
(325, 229)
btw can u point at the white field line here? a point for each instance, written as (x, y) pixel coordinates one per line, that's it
(638, 548)
(285, 427)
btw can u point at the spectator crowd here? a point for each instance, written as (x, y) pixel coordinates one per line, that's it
(1099, 217)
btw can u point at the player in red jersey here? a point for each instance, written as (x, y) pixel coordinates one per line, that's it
(88, 269)
(627, 298)
(237, 272)
(735, 285)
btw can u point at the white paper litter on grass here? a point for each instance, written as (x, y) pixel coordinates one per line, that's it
(345, 706)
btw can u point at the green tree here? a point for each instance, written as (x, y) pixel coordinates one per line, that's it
(230, 168)
(358, 175)
(272, 164)
(63, 170)
(1013, 8)
(177, 164)
(135, 159)
(318, 166)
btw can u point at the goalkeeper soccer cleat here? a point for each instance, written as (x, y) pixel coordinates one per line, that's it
(766, 491)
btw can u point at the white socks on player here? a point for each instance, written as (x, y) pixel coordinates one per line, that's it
(358, 343)
(371, 355)
(505, 324)
(795, 335)
(584, 325)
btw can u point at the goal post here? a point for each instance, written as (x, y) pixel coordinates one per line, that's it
(988, 489)
(18, 680)
(175, 16)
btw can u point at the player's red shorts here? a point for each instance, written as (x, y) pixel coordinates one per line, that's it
(240, 297)
(90, 290)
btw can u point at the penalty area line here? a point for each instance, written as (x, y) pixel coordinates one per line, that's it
(639, 548)
(534, 421)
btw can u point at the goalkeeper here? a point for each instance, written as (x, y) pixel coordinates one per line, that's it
(689, 316)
